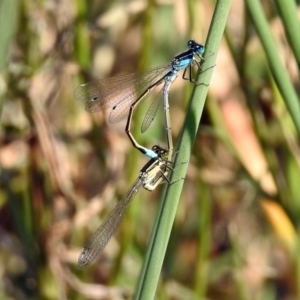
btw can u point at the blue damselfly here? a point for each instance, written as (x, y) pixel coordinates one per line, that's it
(121, 94)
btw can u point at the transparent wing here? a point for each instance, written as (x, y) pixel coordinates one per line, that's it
(151, 112)
(113, 92)
(103, 234)
(120, 111)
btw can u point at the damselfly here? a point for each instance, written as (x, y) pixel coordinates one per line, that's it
(121, 94)
(151, 175)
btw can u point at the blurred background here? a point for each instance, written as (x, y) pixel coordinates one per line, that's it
(63, 169)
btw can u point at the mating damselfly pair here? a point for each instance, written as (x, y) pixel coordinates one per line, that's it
(121, 94)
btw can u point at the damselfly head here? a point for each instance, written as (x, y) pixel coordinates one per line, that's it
(159, 150)
(199, 48)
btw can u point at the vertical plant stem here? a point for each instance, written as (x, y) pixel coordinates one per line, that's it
(278, 70)
(8, 23)
(205, 229)
(288, 12)
(168, 206)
